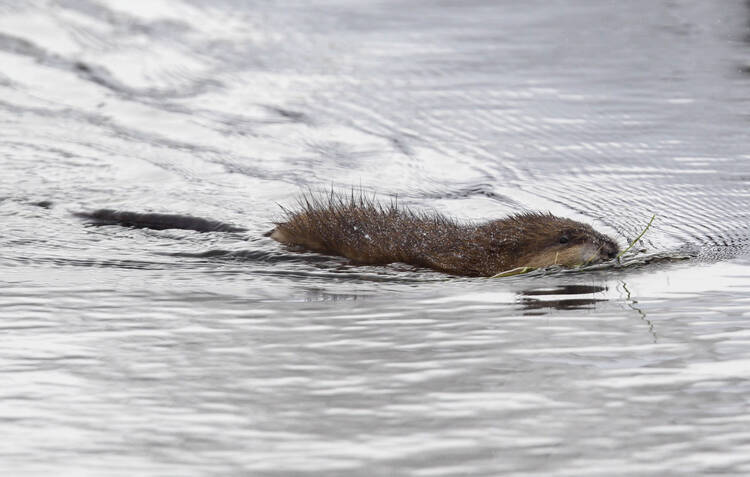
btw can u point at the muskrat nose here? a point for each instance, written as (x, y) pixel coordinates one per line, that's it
(610, 253)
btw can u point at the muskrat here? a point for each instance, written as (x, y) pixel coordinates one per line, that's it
(368, 232)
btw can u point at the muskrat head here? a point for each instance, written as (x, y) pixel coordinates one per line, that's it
(542, 240)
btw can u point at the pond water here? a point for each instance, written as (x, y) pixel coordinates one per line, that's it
(144, 352)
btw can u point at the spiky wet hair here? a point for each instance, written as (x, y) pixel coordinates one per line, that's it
(367, 231)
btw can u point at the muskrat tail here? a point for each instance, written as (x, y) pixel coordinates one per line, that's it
(155, 221)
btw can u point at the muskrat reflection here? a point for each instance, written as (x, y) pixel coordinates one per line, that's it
(538, 304)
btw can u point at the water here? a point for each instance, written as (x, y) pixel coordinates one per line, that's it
(133, 351)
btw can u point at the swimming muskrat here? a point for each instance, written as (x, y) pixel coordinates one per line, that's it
(368, 232)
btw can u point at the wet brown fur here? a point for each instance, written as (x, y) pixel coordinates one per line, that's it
(368, 232)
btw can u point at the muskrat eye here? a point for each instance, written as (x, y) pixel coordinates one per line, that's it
(564, 239)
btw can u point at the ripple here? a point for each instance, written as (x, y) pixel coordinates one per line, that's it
(170, 352)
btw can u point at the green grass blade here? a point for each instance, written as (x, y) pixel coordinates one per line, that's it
(637, 238)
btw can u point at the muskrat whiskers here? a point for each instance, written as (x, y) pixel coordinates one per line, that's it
(594, 255)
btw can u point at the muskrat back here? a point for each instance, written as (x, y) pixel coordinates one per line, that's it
(369, 232)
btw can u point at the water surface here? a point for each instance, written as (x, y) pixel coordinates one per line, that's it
(172, 352)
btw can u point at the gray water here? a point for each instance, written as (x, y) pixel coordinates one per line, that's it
(172, 353)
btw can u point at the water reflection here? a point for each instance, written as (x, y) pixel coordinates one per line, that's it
(534, 306)
(565, 290)
(222, 354)
(632, 304)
